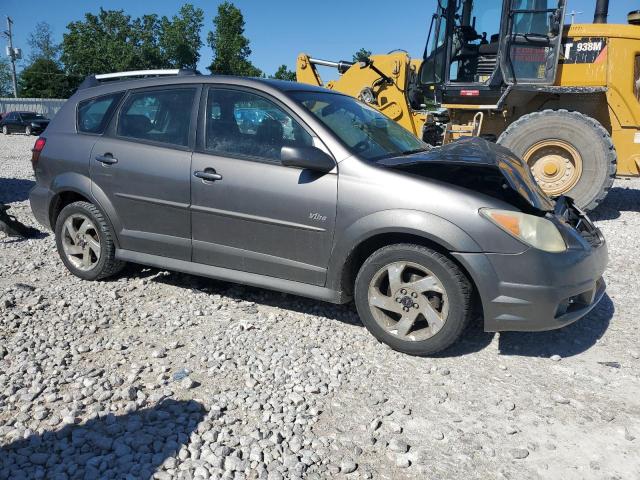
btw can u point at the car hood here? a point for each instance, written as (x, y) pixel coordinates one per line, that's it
(478, 165)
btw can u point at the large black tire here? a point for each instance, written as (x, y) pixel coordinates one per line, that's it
(586, 135)
(455, 283)
(106, 264)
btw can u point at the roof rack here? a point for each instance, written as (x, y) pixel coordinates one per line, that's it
(95, 80)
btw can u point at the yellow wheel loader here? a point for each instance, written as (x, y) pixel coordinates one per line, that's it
(564, 98)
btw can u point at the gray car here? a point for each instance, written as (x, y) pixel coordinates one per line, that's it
(327, 199)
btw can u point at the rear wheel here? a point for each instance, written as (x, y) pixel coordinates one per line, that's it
(85, 242)
(5, 130)
(412, 298)
(569, 154)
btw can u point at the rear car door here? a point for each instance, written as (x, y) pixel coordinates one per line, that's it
(257, 215)
(142, 165)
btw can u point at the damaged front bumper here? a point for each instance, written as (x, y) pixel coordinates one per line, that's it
(536, 290)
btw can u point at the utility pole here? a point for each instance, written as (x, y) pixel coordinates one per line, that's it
(13, 54)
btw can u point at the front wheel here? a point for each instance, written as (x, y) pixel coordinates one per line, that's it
(27, 130)
(5, 130)
(412, 298)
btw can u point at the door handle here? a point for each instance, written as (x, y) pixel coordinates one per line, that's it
(208, 174)
(106, 159)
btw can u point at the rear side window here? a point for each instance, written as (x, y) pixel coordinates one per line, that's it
(162, 116)
(94, 113)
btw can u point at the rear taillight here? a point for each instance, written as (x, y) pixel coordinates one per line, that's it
(37, 149)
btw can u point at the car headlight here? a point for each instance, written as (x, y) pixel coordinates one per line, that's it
(538, 232)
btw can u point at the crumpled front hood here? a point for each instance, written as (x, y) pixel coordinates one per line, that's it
(474, 163)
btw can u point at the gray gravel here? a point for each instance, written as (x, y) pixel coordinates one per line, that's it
(161, 375)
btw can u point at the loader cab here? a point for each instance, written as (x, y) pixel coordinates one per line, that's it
(477, 47)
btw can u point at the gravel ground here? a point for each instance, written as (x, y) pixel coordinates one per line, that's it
(162, 375)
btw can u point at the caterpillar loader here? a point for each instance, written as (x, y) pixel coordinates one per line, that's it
(565, 98)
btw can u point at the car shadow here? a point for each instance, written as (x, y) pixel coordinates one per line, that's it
(126, 446)
(618, 200)
(566, 342)
(244, 293)
(15, 189)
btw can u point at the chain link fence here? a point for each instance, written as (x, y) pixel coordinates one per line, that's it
(46, 106)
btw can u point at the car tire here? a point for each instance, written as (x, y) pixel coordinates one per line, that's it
(5, 130)
(574, 137)
(27, 130)
(90, 253)
(426, 278)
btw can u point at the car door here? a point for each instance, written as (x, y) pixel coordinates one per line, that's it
(249, 212)
(12, 122)
(142, 165)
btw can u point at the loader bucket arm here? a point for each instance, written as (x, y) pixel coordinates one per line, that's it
(306, 71)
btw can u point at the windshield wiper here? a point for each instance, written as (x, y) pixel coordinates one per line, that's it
(415, 150)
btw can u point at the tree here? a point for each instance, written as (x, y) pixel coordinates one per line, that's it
(283, 73)
(361, 55)
(180, 37)
(102, 43)
(44, 79)
(230, 47)
(42, 43)
(6, 86)
(112, 41)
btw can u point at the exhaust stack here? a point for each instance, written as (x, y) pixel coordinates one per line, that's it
(602, 11)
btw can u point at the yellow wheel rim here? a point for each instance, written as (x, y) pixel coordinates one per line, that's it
(556, 165)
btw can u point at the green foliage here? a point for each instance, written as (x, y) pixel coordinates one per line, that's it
(361, 55)
(42, 43)
(112, 41)
(230, 47)
(283, 73)
(44, 79)
(180, 37)
(6, 88)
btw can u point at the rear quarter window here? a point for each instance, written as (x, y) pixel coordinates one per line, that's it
(94, 113)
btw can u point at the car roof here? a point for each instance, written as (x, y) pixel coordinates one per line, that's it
(100, 88)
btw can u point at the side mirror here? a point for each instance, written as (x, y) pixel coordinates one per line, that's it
(311, 158)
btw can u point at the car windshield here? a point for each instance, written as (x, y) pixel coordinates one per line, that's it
(31, 116)
(363, 129)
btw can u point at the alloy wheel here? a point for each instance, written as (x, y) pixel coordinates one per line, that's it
(81, 242)
(408, 301)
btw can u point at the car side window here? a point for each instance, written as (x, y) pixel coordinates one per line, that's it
(248, 125)
(94, 113)
(162, 116)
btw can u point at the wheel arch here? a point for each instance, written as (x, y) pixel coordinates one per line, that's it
(375, 231)
(71, 187)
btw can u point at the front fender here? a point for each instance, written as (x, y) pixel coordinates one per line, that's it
(411, 222)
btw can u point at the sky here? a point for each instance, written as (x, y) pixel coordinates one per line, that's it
(279, 29)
